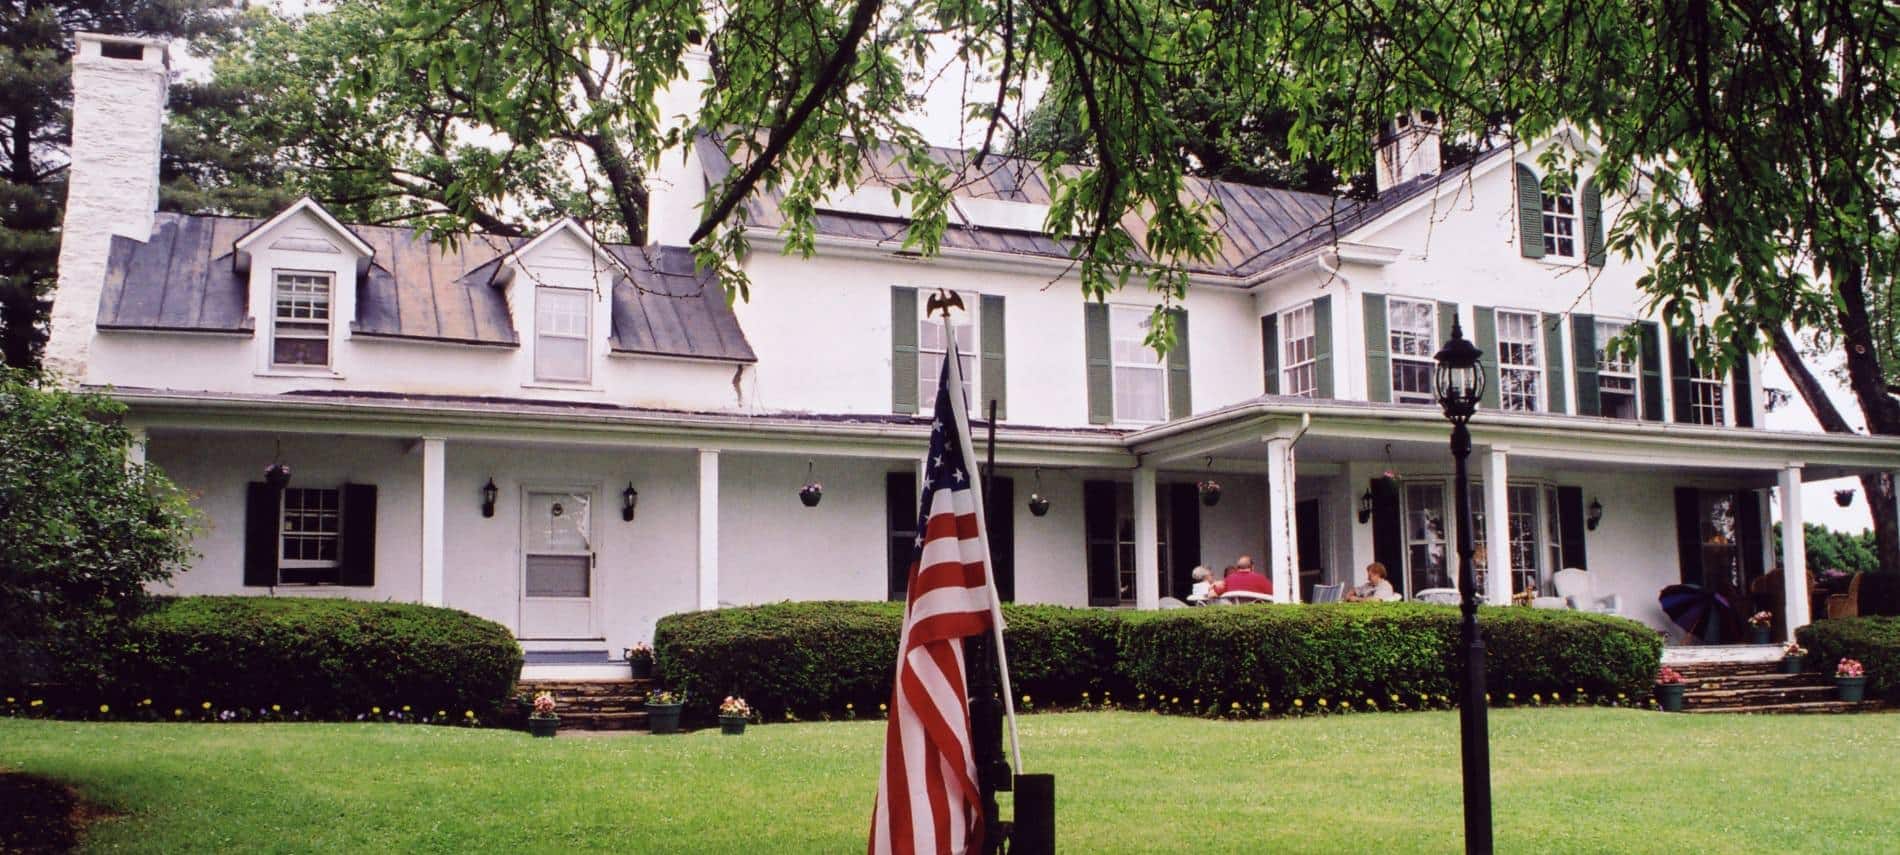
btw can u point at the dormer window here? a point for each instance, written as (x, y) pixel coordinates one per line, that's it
(562, 319)
(300, 327)
(1560, 225)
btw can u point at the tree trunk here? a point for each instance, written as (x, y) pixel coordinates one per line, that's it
(1878, 487)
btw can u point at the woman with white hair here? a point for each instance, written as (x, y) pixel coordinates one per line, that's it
(1203, 585)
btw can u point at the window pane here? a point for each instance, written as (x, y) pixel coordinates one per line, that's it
(1301, 376)
(300, 351)
(1519, 369)
(1140, 394)
(312, 522)
(558, 522)
(560, 358)
(303, 296)
(557, 576)
(561, 311)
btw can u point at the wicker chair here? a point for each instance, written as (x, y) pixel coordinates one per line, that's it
(1848, 604)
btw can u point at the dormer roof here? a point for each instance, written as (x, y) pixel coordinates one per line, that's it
(305, 207)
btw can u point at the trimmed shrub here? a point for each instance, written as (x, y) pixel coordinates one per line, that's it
(813, 658)
(1875, 641)
(329, 658)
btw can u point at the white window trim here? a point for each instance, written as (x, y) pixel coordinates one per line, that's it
(586, 338)
(273, 367)
(1114, 365)
(283, 531)
(1287, 368)
(973, 349)
(1393, 358)
(1546, 492)
(1722, 391)
(1577, 250)
(1538, 360)
(1635, 372)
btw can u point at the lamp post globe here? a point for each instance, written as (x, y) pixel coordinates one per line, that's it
(1457, 377)
(1459, 382)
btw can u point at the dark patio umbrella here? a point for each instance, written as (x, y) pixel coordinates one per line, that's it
(1701, 612)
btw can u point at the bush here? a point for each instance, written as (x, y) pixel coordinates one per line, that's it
(329, 658)
(814, 658)
(1875, 641)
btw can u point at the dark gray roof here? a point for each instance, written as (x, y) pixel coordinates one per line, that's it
(184, 279)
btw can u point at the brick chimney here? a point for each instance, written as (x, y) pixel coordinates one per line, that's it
(119, 85)
(1408, 149)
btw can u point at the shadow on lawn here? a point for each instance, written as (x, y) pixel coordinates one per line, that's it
(39, 816)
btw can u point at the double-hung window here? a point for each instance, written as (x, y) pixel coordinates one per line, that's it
(931, 348)
(1520, 365)
(1521, 518)
(1299, 353)
(310, 535)
(562, 319)
(300, 334)
(1706, 403)
(1616, 374)
(1560, 224)
(1426, 538)
(1413, 327)
(1141, 377)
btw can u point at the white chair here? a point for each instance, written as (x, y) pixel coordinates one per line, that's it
(1172, 603)
(1328, 593)
(1241, 598)
(1578, 591)
(1437, 596)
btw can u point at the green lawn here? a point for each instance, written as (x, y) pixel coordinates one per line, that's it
(1566, 780)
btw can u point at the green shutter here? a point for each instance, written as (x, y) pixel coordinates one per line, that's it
(1484, 333)
(1554, 363)
(1180, 387)
(903, 350)
(1270, 352)
(1651, 357)
(995, 380)
(1530, 213)
(1583, 346)
(1680, 383)
(1101, 372)
(1593, 224)
(1378, 357)
(1744, 398)
(1323, 346)
(1447, 316)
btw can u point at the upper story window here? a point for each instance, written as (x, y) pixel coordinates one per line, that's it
(562, 319)
(1520, 364)
(1413, 327)
(1560, 224)
(300, 321)
(1299, 352)
(310, 536)
(1707, 404)
(931, 348)
(1141, 378)
(1616, 373)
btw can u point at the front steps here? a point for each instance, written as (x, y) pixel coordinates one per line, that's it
(1759, 687)
(618, 704)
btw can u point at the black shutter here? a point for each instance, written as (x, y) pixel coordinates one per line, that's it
(359, 535)
(1184, 537)
(1583, 343)
(1001, 516)
(1651, 357)
(1680, 384)
(1270, 352)
(900, 527)
(260, 534)
(1098, 524)
(1748, 533)
(1744, 392)
(1570, 528)
(1388, 532)
(1689, 534)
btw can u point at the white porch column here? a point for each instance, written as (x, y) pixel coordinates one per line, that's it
(1497, 526)
(1794, 551)
(708, 528)
(1282, 544)
(434, 471)
(1147, 541)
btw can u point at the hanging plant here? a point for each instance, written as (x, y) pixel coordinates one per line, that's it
(1843, 497)
(812, 491)
(277, 476)
(1210, 492)
(1038, 504)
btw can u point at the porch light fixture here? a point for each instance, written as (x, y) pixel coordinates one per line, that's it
(489, 495)
(629, 502)
(1365, 507)
(1843, 497)
(1595, 516)
(1038, 503)
(812, 491)
(1460, 385)
(1209, 489)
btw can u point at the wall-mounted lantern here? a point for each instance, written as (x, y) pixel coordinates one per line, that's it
(629, 502)
(1366, 507)
(489, 495)
(1595, 516)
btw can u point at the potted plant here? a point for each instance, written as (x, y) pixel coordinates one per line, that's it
(640, 659)
(811, 493)
(733, 715)
(544, 722)
(1850, 680)
(1669, 689)
(1760, 625)
(1792, 658)
(663, 711)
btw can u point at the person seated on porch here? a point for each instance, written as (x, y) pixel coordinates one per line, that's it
(1376, 588)
(1242, 578)
(1203, 584)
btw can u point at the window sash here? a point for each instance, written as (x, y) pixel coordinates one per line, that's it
(931, 348)
(1427, 540)
(1139, 374)
(1560, 225)
(1412, 332)
(1299, 352)
(1520, 367)
(300, 318)
(1528, 567)
(309, 534)
(563, 319)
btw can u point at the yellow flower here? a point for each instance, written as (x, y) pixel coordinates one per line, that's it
(882, 708)
(1085, 694)
(1620, 696)
(276, 708)
(405, 707)
(1322, 702)
(9, 699)
(1510, 696)
(375, 710)
(1236, 705)
(849, 707)
(1264, 706)
(1298, 702)
(104, 708)
(36, 703)
(1141, 696)
(177, 711)
(145, 703)
(1175, 700)
(441, 713)
(206, 705)
(468, 713)
(1025, 699)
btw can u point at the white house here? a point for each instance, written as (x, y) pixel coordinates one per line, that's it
(645, 442)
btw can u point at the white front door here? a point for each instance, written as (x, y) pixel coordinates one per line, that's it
(557, 567)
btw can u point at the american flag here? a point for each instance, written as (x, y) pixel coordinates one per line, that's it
(927, 796)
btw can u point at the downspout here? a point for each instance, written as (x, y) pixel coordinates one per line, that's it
(1292, 503)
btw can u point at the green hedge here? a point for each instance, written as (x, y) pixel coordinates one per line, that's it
(814, 658)
(1875, 641)
(326, 658)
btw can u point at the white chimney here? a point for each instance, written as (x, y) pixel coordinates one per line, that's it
(1408, 149)
(119, 85)
(677, 186)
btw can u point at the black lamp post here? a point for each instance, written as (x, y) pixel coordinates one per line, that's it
(1460, 384)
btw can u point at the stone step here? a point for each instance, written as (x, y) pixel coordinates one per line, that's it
(1797, 708)
(586, 688)
(1758, 696)
(604, 721)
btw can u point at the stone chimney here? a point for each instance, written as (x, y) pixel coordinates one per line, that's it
(677, 185)
(119, 85)
(1408, 149)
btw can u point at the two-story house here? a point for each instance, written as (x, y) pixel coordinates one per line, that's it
(574, 439)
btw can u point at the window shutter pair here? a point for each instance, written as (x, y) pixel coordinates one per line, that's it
(1681, 384)
(1530, 217)
(262, 528)
(1558, 401)
(993, 379)
(1583, 341)
(1484, 333)
(1101, 367)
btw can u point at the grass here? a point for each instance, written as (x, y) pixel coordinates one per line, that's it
(1565, 780)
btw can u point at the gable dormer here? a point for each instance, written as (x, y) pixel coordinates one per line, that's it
(302, 268)
(559, 286)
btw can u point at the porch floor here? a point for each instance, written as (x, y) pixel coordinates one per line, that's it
(1714, 653)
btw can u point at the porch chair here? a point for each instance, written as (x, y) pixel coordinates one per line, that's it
(1578, 589)
(1328, 593)
(1437, 596)
(1848, 604)
(1241, 598)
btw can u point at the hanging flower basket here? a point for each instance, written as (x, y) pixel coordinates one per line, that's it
(1038, 505)
(1210, 492)
(277, 476)
(811, 493)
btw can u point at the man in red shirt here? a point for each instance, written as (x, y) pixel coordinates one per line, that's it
(1242, 578)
